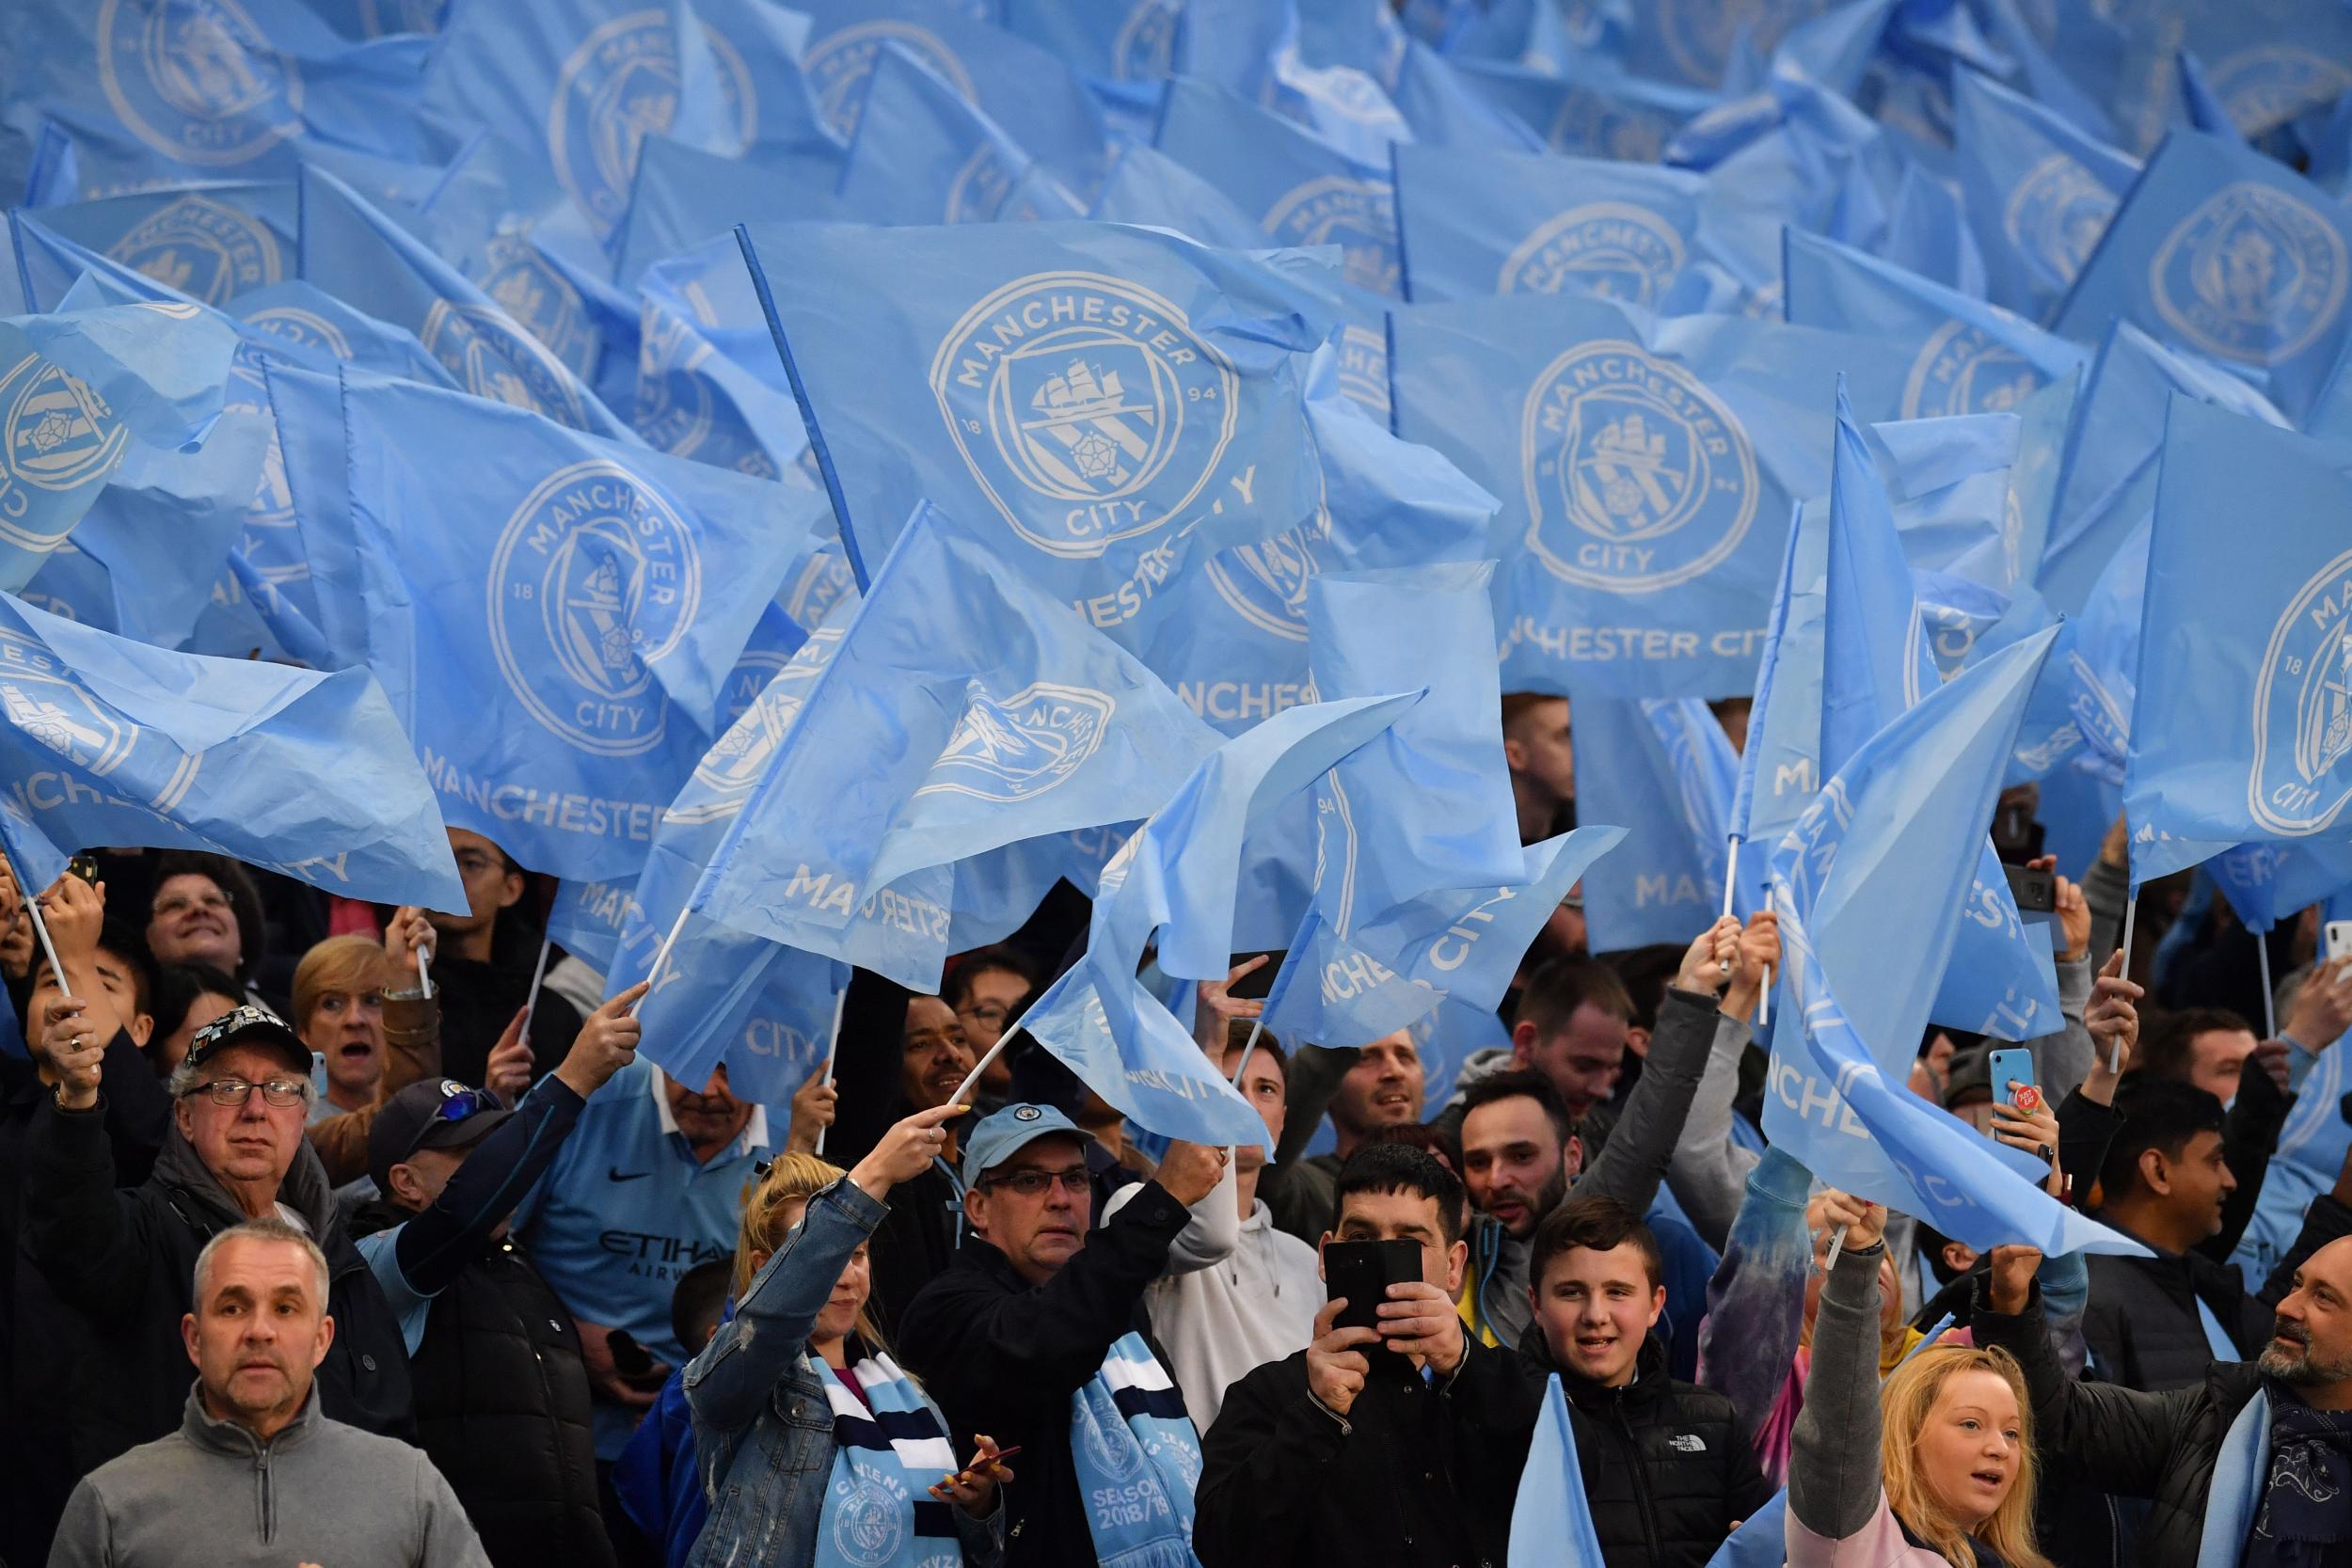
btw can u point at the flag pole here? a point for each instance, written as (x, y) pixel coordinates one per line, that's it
(833, 1050)
(40, 929)
(424, 971)
(2270, 1009)
(530, 1001)
(965, 1088)
(1257, 1027)
(2131, 912)
(653, 973)
(1731, 871)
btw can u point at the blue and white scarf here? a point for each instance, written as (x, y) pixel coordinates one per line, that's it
(1138, 1460)
(879, 1511)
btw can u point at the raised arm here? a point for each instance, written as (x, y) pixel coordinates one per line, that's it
(1709, 1171)
(1755, 1302)
(1835, 1482)
(1634, 1161)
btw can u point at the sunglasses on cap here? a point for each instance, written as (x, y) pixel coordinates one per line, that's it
(458, 1103)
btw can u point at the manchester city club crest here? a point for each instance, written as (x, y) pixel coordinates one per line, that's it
(1700, 34)
(1022, 746)
(841, 63)
(47, 705)
(205, 249)
(733, 765)
(195, 79)
(1964, 370)
(1612, 248)
(978, 190)
(516, 274)
(1086, 406)
(1602, 127)
(2252, 275)
(490, 360)
(1145, 49)
(618, 87)
(1357, 215)
(306, 327)
(2265, 87)
(1638, 478)
(673, 406)
(593, 576)
(1108, 1442)
(821, 584)
(2302, 773)
(56, 433)
(1265, 584)
(2057, 214)
(869, 1521)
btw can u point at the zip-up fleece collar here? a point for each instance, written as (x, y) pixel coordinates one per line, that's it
(232, 1441)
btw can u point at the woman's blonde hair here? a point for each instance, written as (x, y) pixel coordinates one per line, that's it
(354, 965)
(768, 1216)
(1908, 1394)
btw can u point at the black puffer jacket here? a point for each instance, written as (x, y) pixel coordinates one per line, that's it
(1667, 1469)
(2160, 1447)
(126, 1260)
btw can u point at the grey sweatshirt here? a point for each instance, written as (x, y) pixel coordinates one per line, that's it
(213, 1496)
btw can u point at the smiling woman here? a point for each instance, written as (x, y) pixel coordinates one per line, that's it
(205, 911)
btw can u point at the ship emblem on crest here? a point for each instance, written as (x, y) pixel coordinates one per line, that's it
(841, 63)
(204, 249)
(195, 79)
(1023, 746)
(50, 707)
(479, 346)
(1637, 477)
(1265, 583)
(1357, 215)
(1145, 49)
(1965, 369)
(1091, 395)
(55, 433)
(2057, 214)
(2265, 87)
(1611, 248)
(2252, 275)
(2303, 709)
(540, 299)
(620, 86)
(593, 576)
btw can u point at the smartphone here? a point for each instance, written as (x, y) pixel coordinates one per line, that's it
(2006, 1067)
(2339, 940)
(2016, 836)
(2036, 892)
(629, 1358)
(1362, 1272)
(84, 866)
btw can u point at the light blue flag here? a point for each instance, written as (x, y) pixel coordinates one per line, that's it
(1965, 356)
(1870, 888)
(964, 711)
(1596, 110)
(600, 594)
(1177, 877)
(1452, 952)
(1473, 223)
(1646, 467)
(86, 392)
(924, 154)
(685, 196)
(114, 742)
(1665, 769)
(710, 386)
(2230, 255)
(1240, 653)
(363, 259)
(2107, 478)
(2242, 727)
(2267, 883)
(1127, 41)
(1104, 401)
(1876, 663)
(211, 242)
(1038, 99)
(1445, 110)
(148, 93)
(1299, 189)
(2040, 192)
(1552, 1521)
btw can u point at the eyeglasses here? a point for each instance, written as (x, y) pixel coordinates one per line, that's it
(985, 1012)
(280, 1092)
(1033, 1183)
(457, 1103)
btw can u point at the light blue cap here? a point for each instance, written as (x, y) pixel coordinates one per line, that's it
(1007, 1132)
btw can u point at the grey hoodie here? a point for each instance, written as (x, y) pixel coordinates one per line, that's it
(213, 1496)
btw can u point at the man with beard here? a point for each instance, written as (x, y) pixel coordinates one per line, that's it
(1380, 1088)
(255, 1473)
(2250, 1464)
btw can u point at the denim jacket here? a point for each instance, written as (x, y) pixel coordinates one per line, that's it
(763, 1425)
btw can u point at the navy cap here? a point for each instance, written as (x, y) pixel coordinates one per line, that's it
(438, 1113)
(1007, 1132)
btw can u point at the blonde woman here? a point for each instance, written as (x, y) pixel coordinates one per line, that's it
(1935, 1467)
(815, 1450)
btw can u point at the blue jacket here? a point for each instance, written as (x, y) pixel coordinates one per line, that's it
(657, 1479)
(763, 1423)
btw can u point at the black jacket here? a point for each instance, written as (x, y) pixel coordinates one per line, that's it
(1667, 1468)
(2160, 1447)
(1419, 1473)
(502, 1394)
(1003, 1356)
(479, 1000)
(126, 1260)
(2142, 1327)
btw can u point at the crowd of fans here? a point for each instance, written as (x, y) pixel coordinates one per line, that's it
(304, 1260)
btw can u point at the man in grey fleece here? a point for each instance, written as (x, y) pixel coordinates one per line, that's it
(255, 1475)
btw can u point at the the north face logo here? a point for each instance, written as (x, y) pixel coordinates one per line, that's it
(1687, 1442)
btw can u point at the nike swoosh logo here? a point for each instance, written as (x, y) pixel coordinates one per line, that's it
(617, 1173)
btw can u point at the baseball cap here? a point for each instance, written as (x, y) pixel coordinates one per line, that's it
(248, 1025)
(1971, 1073)
(436, 1113)
(1007, 1132)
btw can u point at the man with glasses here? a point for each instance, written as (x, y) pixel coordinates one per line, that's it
(987, 986)
(483, 962)
(502, 1392)
(1037, 1330)
(122, 1261)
